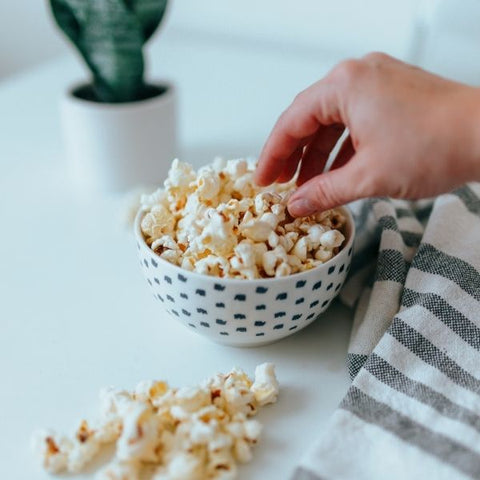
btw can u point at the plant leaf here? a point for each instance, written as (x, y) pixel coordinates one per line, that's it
(110, 35)
(149, 13)
(112, 40)
(68, 14)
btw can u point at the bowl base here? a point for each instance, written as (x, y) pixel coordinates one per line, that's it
(246, 344)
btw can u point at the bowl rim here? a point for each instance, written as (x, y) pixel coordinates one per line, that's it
(243, 281)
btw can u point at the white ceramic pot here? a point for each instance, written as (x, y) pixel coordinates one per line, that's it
(114, 147)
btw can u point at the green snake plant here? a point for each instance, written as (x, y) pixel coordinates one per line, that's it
(110, 35)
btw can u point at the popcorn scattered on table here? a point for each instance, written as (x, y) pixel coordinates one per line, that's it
(218, 222)
(194, 433)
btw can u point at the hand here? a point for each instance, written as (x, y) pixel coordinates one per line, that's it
(412, 135)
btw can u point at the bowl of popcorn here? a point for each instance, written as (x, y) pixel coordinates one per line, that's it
(225, 258)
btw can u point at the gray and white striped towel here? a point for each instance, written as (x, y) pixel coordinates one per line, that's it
(413, 409)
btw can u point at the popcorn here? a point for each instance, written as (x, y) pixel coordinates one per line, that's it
(191, 433)
(53, 449)
(183, 466)
(256, 230)
(120, 471)
(331, 239)
(158, 221)
(84, 448)
(265, 387)
(139, 437)
(218, 222)
(208, 185)
(300, 249)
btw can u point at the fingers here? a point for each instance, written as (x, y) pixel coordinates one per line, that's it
(345, 153)
(317, 152)
(333, 188)
(291, 165)
(314, 107)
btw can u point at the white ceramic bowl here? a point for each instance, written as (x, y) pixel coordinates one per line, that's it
(244, 313)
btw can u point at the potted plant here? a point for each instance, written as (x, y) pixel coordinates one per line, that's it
(120, 131)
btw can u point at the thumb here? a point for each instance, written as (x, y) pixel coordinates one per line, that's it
(333, 188)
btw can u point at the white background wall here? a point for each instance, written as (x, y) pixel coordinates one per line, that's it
(350, 27)
(449, 42)
(27, 36)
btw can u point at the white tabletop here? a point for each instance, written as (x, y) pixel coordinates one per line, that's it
(75, 312)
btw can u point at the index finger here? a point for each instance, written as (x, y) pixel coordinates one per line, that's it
(312, 109)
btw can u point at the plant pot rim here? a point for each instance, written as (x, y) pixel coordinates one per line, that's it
(169, 91)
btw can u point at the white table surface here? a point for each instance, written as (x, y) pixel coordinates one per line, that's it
(75, 311)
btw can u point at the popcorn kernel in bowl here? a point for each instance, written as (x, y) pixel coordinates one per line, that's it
(218, 222)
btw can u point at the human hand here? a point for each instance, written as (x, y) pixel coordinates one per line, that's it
(412, 135)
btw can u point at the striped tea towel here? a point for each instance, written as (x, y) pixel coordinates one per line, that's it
(413, 409)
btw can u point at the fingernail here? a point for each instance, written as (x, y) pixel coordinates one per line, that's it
(301, 207)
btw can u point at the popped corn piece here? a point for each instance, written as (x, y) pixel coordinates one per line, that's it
(157, 221)
(171, 256)
(278, 210)
(271, 219)
(193, 398)
(332, 239)
(120, 471)
(109, 431)
(259, 250)
(273, 239)
(183, 466)
(208, 184)
(323, 254)
(322, 216)
(221, 465)
(212, 413)
(244, 185)
(139, 437)
(218, 235)
(212, 265)
(201, 432)
(52, 449)
(164, 242)
(246, 254)
(236, 167)
(247, 219)
(269, 262)
(295, 263)
(237, 378)
(265, 388)
(84, 448)
(221, 441)
(252, 429)
(158, 197)
(240, 399)
(114, 402)
(236, 428)
(180, 175)
(300, 249)
(242, 451)
(283, 270)
(314, 235)
(188, 262)
(149, 390)
(288, 240)
(293, 226)
(256, 230)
